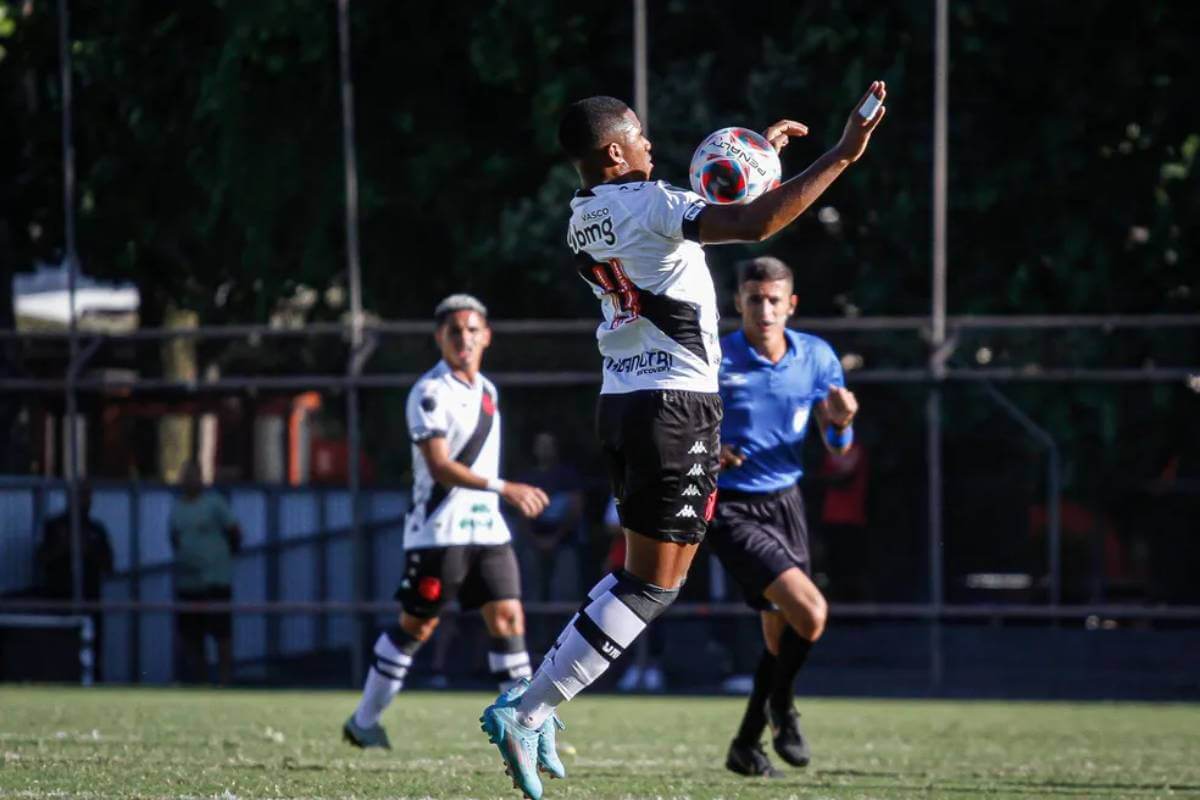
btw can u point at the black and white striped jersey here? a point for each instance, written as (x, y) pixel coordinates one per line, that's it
(637, 246)
(469, 418)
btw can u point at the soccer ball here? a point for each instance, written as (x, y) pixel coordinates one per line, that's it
(734, 165)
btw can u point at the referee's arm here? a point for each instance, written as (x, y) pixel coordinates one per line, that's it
(835, 416)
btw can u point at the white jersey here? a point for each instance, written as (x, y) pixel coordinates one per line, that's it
(469, 419)
(637, 244)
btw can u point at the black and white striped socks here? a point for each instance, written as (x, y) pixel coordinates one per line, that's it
(392, 657)
(508, 660)
(616, 612)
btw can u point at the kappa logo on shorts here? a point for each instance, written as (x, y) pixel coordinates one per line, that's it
(697, 448)
(691, 491)
(695, 471)
(686, 511)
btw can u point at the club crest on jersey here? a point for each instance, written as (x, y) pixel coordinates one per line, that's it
(579, 237)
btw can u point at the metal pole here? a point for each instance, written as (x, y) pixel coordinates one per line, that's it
(640, 100)
(1053, 488)
(350, 170)
(933, 407)
(71, 258)
(1054, 524)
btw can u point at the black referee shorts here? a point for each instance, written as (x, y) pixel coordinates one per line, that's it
(472, 574)
(758, 537)
(661, 449)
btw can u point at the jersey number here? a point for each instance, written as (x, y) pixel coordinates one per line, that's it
(611, 277)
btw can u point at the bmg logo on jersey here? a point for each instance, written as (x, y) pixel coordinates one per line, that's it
(580, 237)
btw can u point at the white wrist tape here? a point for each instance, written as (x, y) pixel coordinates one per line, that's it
(495, 485)
(869, 106)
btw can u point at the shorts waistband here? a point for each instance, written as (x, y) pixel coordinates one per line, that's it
(753, 497)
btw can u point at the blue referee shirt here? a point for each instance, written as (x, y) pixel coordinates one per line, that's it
(767, 407)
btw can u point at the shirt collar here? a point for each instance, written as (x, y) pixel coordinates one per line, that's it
(758, 360)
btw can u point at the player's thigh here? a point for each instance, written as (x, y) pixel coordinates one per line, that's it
(666, 445)
(749, 548)
(493, 585)
(432, 578)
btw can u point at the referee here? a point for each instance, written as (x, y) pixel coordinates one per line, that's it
(772, 381)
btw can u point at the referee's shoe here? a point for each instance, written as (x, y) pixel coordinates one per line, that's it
(750, 759)
(787, 737)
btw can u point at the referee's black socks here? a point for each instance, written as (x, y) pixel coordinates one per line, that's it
(793, 652)
(755, 719)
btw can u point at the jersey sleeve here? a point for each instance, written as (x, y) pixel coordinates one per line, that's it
(673, 213)
(426, 413)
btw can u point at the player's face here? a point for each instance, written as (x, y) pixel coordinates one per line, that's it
(765, 307)
(635, 147)
(462, 337)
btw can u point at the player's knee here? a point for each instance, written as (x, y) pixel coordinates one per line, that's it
(420, 628)
(818, 613)
(645, 599)
(507, 619)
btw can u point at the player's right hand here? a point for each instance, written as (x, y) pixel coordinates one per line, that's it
(529, 500)
(730, 458)
(858, 131)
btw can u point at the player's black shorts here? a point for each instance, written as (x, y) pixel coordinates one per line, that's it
(758, 537)
(661, 450)
(472, 574)
(198, 624)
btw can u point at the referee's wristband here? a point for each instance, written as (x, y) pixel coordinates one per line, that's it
(839, 440)
(495, 485)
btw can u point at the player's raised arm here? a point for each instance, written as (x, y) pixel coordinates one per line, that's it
(775, 210)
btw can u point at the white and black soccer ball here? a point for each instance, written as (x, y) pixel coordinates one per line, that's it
(734, 165)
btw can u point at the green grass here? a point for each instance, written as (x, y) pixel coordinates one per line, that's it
(146, 743)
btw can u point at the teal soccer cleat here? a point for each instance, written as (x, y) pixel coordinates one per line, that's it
(518, 745)
(547, 755)
(548, 760)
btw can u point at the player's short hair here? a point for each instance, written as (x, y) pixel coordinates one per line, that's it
(763, 268)
(458, 302)
(591, 123)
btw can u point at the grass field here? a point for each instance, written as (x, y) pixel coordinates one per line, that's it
(130, 743)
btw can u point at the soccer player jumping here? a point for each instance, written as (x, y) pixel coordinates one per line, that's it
(773, 381)
(638, 245)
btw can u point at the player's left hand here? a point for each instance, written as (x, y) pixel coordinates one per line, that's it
(779, 133)
(840, 406)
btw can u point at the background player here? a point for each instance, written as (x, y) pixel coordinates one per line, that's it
(638, 245)
(773, 381)
(456, 543)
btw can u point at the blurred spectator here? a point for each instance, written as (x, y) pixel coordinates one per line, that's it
(53, 558)
(1174, 546)
(844, 523)
(54, 552)
(204, 535)
(557, 530)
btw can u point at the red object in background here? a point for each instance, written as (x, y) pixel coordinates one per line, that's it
(331, 460)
